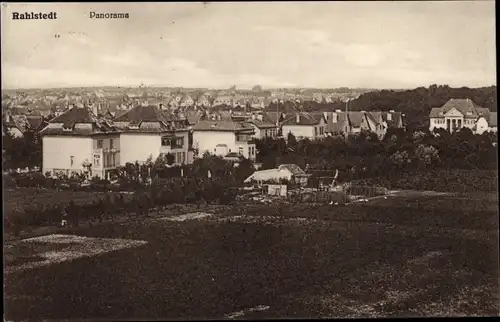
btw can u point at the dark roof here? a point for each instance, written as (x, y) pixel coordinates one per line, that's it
(304, 118)
(338, 126)
(493, 119)
(193, 116)
(355, 118)
(293, 168)
(396, 118)
(463, 105)
(274, 116)
(265, 123)
(145, 114)
(78, 115)
(35, 122)
(221, 125)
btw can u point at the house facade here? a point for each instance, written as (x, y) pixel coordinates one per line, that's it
(354, 122)
(221, 137)
(148, 131)
(458, 113)
(74, 142)
(304, 125)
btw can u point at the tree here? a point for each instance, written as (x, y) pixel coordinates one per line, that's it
(244, 169)
(170, 159)
(257, 88)
(426, 155)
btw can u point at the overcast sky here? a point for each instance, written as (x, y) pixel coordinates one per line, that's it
(217, 45)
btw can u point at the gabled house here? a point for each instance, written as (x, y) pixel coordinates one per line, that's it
(354, 122)
(458, 113)
(221, 137)
(304, 125)
(186, 101)
(203, 101)
(262, 125)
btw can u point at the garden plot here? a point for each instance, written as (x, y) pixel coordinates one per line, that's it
(189, 216)
(52, 249)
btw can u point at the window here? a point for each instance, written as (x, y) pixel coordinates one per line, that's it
(97, 159)
(174, 142)
(315, 131)
(249, 151)
(113, 161)
(99, 144)
(71, 160)
(107, 160)
(111, 143)
(240, 150)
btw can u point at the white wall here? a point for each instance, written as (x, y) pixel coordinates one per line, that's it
(482, 125)
(57, 152)
(208, 140)
(139, 146)
(15, 132)
(434, 123)
(306, 131)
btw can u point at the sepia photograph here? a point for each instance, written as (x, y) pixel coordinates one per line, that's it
(249, 160)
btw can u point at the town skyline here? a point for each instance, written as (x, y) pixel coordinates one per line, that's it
(391, 45)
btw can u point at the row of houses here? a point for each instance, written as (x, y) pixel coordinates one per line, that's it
(84, 139)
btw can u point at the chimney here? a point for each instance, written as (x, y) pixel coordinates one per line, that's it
(334, 117)
(94, 109)
(297, 118)
(7, 117)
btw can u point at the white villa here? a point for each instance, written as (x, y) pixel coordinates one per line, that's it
(458, 113)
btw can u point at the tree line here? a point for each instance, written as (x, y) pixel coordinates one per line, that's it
(364, 155)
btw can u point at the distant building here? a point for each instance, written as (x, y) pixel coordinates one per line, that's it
(458, 113)
(353, 122)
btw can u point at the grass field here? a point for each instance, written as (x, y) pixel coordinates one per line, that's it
(407, 255)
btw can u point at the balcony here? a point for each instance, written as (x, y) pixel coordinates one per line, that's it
(106, 150)
(245, 140)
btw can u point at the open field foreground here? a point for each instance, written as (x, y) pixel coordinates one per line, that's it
(407, 255)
